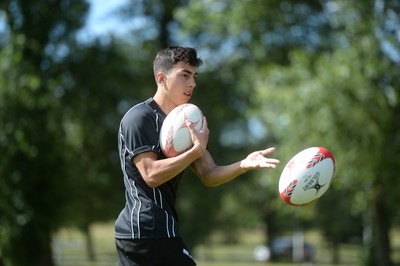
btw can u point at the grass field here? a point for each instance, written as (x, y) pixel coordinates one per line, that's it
(70, 250)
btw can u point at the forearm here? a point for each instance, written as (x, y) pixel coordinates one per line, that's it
(213, 175)
(222, 174)
(156, 172)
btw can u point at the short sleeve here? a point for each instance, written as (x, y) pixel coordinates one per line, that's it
(139, 130)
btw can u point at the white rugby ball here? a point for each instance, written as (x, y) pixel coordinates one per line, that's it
(307, 176)
(175, 136)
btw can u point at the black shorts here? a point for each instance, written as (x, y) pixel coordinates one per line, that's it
(148, 252)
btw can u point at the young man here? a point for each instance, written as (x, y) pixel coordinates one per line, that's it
(146, 230)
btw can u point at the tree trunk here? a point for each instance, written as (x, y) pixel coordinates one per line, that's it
(270, 227)
(381, 241)
(335, 252)
(89, 243)
(32, 247)
(46, 257)
(386, 186)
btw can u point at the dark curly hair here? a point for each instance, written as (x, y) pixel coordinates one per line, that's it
(167, 58)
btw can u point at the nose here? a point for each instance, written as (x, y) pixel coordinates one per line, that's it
(192, 83)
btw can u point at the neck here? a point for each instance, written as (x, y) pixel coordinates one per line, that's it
(163, 102)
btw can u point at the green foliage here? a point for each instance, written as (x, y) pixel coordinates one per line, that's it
(62, 120)
(256, 31)
(287, 73)
(32, 168)
(314, 74)
(338, 101)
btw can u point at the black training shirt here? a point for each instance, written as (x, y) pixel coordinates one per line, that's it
(149, 212)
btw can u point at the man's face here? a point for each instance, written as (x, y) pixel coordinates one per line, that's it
(180, 82)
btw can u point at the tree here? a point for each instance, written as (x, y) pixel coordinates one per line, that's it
(293, 56)
(62, 101)
(357, 113)
(35, 185)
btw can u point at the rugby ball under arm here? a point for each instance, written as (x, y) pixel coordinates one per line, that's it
(175, 136)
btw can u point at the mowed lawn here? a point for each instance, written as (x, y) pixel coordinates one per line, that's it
(69, 248)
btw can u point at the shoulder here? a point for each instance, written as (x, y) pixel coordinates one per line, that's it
(138, 113)
(143, 116)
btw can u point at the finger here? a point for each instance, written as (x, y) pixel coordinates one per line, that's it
(267, 165)
(273, 161)
(268, 151)
(188, 123)
(204, 128)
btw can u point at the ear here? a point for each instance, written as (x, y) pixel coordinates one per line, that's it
(161, 78)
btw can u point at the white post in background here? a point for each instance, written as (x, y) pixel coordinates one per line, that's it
(298, 246)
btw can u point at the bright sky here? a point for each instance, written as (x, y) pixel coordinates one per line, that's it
(101, 19)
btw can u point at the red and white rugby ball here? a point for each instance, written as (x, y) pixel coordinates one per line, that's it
(175, 136)
(307, 176)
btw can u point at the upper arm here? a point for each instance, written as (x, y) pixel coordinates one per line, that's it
(155, 171)
(143, 162)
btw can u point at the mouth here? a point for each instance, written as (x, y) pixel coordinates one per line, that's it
(188, 94)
